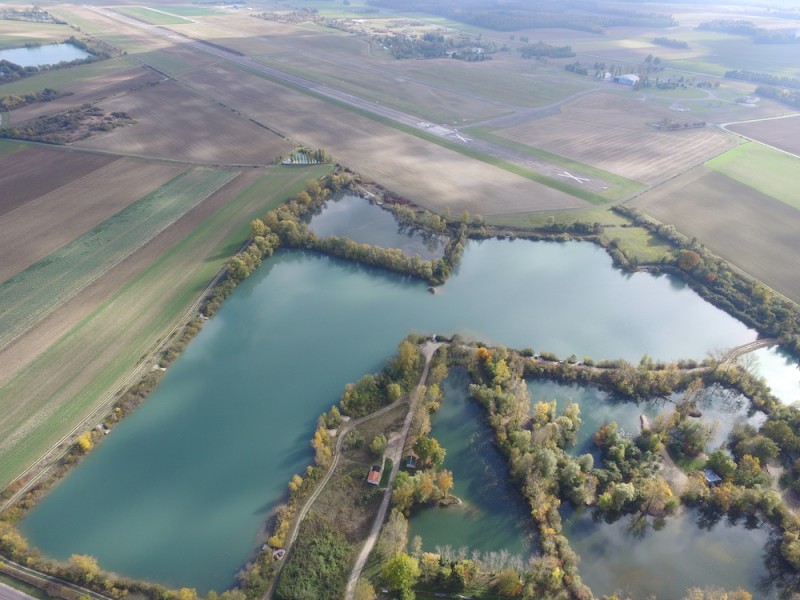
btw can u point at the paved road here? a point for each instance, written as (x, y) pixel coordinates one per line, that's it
(9, 593)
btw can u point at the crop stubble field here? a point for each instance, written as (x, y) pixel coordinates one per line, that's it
(611, 132)
(150, 290)
(751, 230)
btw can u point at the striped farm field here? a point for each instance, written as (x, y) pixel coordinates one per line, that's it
(611, 132)
(769, 171)
(747, 228)
(36, 291)
(52, 196)
(154, 17)
(52, 394)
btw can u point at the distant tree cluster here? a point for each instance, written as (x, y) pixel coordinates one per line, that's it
(748, 28)
(786, 96)
(518, 14)
(670, 43)
(542, 50)
(11, 102)
(766, 78)
(435, 45)
(33, 14)
(72, 125)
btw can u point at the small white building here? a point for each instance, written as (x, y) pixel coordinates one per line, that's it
(629, 79)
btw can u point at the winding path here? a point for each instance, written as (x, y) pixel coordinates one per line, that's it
(427, 351)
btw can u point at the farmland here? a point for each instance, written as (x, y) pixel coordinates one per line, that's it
(748, 228)
(430, 175)
(781, 133)
(189, 126)
(96, 354)
(33, 293)
(611, 132)
(769, 171)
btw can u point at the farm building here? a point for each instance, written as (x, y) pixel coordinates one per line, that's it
(374, 477)
(711, 477)
(629, 79)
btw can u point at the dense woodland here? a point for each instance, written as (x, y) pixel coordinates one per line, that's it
(767, 78)
(748, 28)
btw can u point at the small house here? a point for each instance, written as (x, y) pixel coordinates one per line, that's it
(712, 478)
(411, 462)
(374, 477)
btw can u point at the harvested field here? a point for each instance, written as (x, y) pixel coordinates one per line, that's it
(32, 294)
(769, 171)
(780, 133)
(610, 132)
(747, 228)
(92, 90)
(22, 180)
(428, 174)
(64, 212)
(51, 394)
(15, 34)
(173, 121)
(60, 78)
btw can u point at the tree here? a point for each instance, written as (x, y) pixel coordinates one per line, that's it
(364, 591)
(688, 260)
(83, 568)
(721, 464)
(428, 449)
(187, 594)
(401, 572)
(378, 445)
(394, 535)
(508, 584)
(716, 594)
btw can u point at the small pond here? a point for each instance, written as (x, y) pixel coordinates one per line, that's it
(780, 370)
(366, 223)
(49, 54)
(720, 407)
(665, 563)
(493, 515)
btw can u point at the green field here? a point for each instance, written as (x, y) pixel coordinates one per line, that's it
(619, 188)
(15, 34)
(78, 372)
(637, 242)
(769, 171)
(8, 147)
(58, 78)
(152, 16)
(35, 292)
(604, 216)
(185, 10)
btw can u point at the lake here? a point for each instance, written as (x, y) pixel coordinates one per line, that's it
(179, 490)
(365, 223)
(48, 54)
(780, 371)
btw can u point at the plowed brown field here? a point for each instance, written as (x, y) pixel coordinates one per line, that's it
(26, 175)
(779, 133)
(37, 228)
(172, 121)
(611, 132)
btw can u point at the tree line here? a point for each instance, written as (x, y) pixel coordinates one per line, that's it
(10, 102)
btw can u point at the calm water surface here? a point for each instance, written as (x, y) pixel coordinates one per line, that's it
(365, 223)
(666, 563)
(178, 492)
(492, 515)
(49, 54)
(780, 370)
